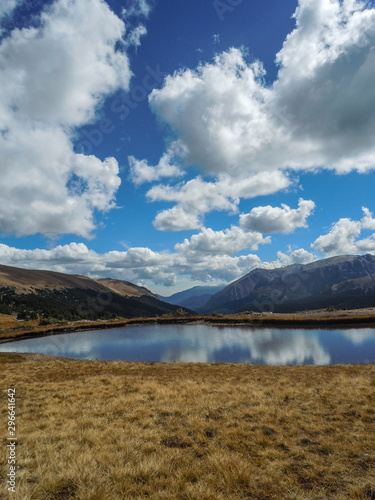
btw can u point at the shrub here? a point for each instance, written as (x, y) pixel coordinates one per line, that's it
(331, 309)
(181, 312)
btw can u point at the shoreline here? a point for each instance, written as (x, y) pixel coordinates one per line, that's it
(308, 319)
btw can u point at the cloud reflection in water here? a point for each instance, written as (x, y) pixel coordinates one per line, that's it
(209, 344)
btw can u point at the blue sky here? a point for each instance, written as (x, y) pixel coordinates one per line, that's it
(173, 144)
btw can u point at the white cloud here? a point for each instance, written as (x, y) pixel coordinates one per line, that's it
(319, 112)
(134, 37)
(141, 171)
(227, 242)
(177, 219)
(277, 220)
(329, 57)
(367, 221)
(343, 237)
(217, 112)
(299, 256)
(197, 197)
(137, 8)
(46, 187)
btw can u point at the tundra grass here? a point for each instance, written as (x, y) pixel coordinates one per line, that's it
(118, 430)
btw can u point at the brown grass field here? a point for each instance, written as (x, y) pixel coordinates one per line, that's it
(93, 430)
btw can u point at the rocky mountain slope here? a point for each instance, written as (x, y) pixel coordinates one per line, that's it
(48, 294)
(345, 281)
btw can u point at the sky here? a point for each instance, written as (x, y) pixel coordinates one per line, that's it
(176, 143)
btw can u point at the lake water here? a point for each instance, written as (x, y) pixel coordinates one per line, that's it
(209, 344)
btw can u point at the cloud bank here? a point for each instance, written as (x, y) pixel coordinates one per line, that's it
(143, 265)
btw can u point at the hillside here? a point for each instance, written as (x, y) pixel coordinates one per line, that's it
(48, 294)
(125, 288)
(341, 282)
(28, 281)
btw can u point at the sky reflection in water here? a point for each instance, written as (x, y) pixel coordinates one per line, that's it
(209, 344)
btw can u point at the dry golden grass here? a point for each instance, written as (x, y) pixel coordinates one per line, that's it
(117, 430)
(9, 322)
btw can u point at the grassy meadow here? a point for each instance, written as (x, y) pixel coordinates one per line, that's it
(119, 430)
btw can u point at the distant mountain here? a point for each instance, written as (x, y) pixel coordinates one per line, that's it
(193, 298)
(346, 281)
(64, 296)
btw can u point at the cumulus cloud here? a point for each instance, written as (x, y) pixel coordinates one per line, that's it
(329, 57)
(321, 103)
(177, 219)
(343, 237)
(197, 197)
(60, 73)
(318, 113)
(227, 242)
(277, 220)
(217, 111)
(141, 171)
(367, 221)
(299, 256)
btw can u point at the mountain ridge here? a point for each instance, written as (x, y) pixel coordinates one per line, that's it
(342, 281)
(43, 293)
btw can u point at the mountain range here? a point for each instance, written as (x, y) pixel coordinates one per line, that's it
(341, 282)
(337, 282)
(194, 298)
(49, 294)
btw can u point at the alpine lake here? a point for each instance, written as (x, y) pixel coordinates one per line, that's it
(208, 344)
